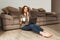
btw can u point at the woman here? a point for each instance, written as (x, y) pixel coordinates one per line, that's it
(26, 25)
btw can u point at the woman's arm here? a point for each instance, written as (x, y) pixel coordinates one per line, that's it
(28, 18)
(20, 20)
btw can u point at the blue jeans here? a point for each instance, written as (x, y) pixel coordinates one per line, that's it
(35, 28)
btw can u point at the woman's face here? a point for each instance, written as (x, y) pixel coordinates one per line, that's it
(25, 9)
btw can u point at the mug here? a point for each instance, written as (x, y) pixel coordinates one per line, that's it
(23, 19)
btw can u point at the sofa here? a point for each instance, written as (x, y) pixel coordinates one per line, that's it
(10, 17)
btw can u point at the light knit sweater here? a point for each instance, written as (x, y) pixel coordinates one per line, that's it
(23, 23)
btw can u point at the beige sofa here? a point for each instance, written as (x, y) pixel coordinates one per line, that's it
(10, 17)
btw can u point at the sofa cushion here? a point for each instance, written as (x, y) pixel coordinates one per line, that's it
(41, 10)
(16, 21)
(34, 9)
(5, 10)
(15, 15)
(12, 9)
(37, 14)
(20, 10)
(41, 21)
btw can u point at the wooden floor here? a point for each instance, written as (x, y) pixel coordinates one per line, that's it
(28, 35)
(55, 27)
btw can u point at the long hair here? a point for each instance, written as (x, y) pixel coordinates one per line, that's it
(23, 9)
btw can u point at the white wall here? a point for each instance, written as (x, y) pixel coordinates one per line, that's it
(46, 4)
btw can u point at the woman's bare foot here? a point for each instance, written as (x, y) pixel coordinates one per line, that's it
(46, 34)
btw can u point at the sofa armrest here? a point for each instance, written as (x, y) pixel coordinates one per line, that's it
(6, 16)
(51, 14)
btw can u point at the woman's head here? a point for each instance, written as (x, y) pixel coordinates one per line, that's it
(25, 9)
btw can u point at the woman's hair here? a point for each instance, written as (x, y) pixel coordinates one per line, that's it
(23, 9)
